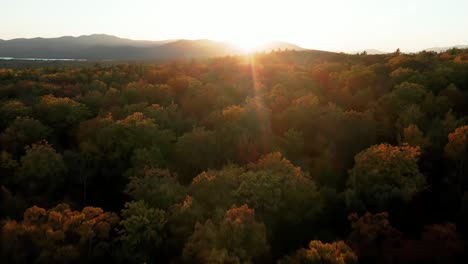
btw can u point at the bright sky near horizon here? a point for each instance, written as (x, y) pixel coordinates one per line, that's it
(336, 25)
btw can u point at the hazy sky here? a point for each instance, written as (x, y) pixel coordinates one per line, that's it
(346, 25)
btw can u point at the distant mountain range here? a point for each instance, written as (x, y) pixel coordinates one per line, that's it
(435, 49)
(442, 49)
(107, 47)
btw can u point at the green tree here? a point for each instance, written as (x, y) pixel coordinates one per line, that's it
(169, 117)
(61, 112)
(158, 188)
(384, 174)
(213, 191)
(238, 238)
(272, 186)
(41, 170)
(199, 150)
(292, 145)
(143, 232)
(148, 157)
(12, 109)
(111, 146)
(22, 132)
(414, 137)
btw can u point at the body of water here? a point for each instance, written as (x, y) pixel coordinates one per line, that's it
(39, 59)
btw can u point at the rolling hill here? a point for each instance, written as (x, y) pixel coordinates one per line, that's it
(442, 49)
(107, 47)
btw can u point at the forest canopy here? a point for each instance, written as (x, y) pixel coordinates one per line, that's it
(280, 157)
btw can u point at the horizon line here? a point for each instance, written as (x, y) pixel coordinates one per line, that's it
(228, 41)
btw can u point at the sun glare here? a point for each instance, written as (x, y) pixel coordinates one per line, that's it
(248, 45)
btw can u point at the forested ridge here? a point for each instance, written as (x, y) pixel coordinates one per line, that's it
(107, 47)
(282, 157)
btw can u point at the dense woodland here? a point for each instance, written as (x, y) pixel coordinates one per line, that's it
(282, 157)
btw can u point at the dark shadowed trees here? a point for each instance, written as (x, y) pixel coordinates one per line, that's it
(41, 170)
(238, 238)
(322, 253)
(60, 235)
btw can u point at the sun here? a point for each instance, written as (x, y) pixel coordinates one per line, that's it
(248, 45)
